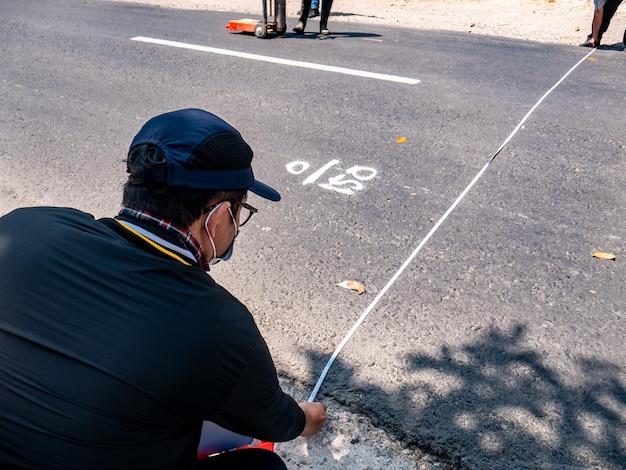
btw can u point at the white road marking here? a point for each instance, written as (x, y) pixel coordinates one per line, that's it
(276, 60)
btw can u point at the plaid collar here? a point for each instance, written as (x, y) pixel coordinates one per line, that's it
(181, 234)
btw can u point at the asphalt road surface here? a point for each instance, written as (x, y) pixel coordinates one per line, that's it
(502, 343)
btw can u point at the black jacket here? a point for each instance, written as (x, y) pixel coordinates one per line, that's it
(112, 353)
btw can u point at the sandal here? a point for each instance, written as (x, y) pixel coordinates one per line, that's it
(590, 43)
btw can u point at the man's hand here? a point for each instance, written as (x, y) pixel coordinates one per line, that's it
(315, 413)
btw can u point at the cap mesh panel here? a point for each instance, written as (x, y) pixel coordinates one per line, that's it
(226, 151)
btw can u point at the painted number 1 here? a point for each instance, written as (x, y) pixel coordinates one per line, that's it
(337, 183)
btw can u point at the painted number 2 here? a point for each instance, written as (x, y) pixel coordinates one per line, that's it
(337, 183)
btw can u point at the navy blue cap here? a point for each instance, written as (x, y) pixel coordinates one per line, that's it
(201, 151)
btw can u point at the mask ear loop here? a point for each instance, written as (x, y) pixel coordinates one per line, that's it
(214, 259)
(232, 217)
(206, 228)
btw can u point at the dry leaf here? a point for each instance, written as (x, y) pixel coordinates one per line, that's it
(401, 140)
(602, 255)
(354, 285)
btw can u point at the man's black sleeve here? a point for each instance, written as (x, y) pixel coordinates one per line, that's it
(257, 406)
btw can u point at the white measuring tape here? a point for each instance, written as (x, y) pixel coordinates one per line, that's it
(430, 234)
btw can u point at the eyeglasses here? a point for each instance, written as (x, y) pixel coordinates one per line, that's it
(245, 213)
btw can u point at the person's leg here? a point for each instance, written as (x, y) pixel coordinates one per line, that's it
(315, 8)
(245, 459)
(593, 38)
(326, 6)
(610, 7)
(595, 29)
(304, 15)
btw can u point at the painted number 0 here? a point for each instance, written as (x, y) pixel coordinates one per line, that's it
(337, 183)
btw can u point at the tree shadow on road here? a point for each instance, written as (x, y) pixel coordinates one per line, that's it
(492, 403)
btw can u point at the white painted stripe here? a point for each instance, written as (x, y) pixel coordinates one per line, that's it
(276, 60)
(408, 261)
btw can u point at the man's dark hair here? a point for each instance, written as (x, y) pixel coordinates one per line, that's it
(179, 205)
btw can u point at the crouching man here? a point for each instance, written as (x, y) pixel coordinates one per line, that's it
(115, 343)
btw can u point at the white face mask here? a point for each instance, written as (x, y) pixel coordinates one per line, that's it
(229, 252)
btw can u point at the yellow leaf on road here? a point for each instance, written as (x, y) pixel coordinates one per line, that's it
(602, 255)
(354, 285)
(401, 140)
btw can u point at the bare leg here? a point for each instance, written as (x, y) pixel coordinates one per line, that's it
(610, 8)
(595, 29)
